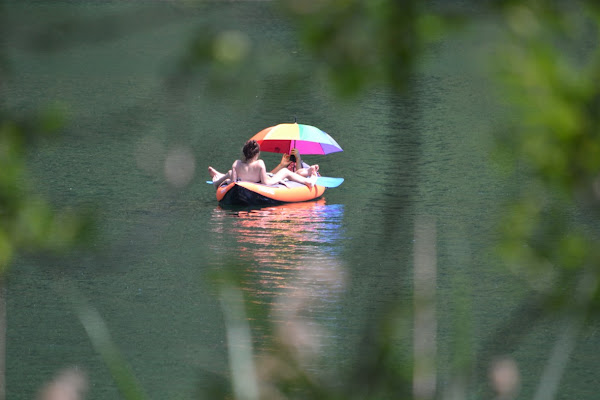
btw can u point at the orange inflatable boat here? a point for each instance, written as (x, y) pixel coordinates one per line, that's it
(249, 193)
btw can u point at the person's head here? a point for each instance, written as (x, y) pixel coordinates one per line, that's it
(251, 149)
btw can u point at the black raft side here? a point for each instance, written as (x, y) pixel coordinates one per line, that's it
(241, 196)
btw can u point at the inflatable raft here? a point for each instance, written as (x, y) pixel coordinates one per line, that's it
(248, 193)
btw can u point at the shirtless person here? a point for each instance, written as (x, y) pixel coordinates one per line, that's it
(294, 163)
(252, 169)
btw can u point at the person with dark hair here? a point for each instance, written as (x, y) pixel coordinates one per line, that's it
(251, 169)
(293, 162)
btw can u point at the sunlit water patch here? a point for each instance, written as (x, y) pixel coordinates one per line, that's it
(291, 266)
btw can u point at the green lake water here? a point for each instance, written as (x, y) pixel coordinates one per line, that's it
(137, 146)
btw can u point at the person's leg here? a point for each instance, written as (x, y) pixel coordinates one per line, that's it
(221, 179)
(308, 172)
(292, 176)
(302, 172)
(214, 173)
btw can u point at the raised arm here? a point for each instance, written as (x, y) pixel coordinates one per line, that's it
(296, 153)
(285, 161)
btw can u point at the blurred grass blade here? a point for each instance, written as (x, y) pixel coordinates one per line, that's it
(557, 363)
(425, 323)
(239, 343)
(100, 337)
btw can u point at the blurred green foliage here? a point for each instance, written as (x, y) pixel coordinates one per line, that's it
(361, 43)
(27, 222)
(552, 145)
(549, 71)
(547, 62)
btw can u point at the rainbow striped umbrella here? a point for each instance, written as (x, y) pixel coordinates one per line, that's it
(307, 139)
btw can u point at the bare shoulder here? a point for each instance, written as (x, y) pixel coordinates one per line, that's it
(260, 165)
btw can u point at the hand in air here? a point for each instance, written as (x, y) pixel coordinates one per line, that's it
(285, 160)
(295, 156)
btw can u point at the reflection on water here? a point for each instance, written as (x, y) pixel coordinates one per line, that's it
(291, 265)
